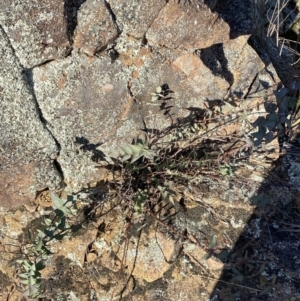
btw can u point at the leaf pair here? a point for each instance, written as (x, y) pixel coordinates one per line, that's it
(132, 152)
(62, 207)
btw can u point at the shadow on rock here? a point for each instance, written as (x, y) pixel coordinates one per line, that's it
(264, 264)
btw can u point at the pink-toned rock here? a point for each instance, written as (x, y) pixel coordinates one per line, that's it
(15, 186)
(201, 77)
(187, 27)
(234, 61)
(74, 248)
(147, 256)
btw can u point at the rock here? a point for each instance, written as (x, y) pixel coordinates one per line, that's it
(27, 148)
(202, 77)
(243, 63)
(76, 79)
(235, 62)
(5, 284)
(99, 102)
(238, 15)
(12, 224)
(82, 97)
(37, 32)
(156, 71)
(154, 252)
(91, 36)
(135, 17)
(187, 27)
(84, 100)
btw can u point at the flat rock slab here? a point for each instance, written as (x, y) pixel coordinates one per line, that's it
(191, 26)
(91, 36)
(84, 100)
(38, 32)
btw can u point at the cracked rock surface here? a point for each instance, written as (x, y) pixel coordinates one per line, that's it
(76, 79)
(91, 66)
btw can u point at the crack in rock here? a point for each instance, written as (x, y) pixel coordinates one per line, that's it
(113, 16)
(71, 8)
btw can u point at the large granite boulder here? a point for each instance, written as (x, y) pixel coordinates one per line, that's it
(88, 70)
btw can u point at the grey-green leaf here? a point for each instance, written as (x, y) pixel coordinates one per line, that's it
(56, 201)
(126, 149)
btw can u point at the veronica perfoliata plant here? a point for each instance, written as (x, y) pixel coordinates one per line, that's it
(54, 226)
